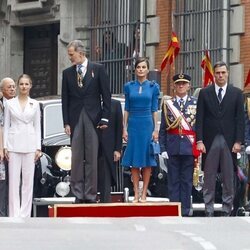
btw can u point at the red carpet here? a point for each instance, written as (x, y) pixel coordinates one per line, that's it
(116, 210)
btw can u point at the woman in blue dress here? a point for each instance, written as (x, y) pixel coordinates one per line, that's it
(140, 126)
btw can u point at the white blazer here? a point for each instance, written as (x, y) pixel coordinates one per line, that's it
(22, 129)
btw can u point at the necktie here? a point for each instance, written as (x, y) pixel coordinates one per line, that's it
(79, 69)
(220, 95)
(79, 75)
(181, 105)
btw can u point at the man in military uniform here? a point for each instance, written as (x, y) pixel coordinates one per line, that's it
(177, 138)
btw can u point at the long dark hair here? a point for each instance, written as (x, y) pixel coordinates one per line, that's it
(141, 59)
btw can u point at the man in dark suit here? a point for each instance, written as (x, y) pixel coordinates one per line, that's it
(8, 89)
(220, 133)
(86, 102)
(110, 152)
(176, 139)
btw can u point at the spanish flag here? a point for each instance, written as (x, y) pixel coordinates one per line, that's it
(208, 69)
(247, 82)
(172, 51)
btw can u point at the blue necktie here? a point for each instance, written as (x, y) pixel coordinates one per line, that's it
(79, 69)
(220, 95)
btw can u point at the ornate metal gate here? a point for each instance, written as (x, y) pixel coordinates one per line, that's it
(117, 35)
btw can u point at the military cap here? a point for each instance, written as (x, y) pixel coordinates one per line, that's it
(181, 78)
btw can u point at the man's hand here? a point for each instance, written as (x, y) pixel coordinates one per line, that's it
(236, 147)
(117, 156)
(102, 124)
(201, 147)
(67, 130)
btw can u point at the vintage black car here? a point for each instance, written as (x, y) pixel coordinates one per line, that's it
(49, 170)
(53, 167)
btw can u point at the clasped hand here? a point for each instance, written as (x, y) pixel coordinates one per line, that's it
(102, 124)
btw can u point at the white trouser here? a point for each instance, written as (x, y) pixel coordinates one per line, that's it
(21, 163)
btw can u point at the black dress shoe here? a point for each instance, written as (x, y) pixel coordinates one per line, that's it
(90, 201)
(225, 214)
(78, 201)
(186, 215)
(209, 214)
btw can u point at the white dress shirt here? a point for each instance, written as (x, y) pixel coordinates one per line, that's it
(223, 92)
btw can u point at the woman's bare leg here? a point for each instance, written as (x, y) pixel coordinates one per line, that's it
(135, 178)
(146, 174)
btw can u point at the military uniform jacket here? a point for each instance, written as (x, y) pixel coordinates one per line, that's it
(176, 144)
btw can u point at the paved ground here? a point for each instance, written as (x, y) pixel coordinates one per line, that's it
(159, 233)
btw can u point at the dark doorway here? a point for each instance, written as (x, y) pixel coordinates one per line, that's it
(40, 58)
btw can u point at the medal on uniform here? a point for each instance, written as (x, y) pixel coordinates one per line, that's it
(79, 76)
(80, 81)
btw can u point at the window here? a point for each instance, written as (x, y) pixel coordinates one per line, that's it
(117, 33)
(200, 26)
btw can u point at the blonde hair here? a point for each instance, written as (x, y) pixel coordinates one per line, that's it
(24, 76)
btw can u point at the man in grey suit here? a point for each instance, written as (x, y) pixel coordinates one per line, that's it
(86, 102)
(220, 133)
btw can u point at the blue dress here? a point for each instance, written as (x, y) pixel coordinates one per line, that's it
(140, 104)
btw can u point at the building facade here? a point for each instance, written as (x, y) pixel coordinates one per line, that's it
(34, 35)
(221, 27)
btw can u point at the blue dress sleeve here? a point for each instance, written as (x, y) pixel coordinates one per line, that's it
(155, 97)
(126, 93)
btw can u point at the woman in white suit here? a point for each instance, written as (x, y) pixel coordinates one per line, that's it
(22, 146)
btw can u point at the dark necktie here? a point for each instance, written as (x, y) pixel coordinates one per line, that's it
(220, 95)
(79, 75)
(181, 105)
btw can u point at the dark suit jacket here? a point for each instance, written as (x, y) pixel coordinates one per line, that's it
(111, 138)
(74, 98)
(226, 118)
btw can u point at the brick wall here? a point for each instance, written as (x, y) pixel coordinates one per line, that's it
(164, 11)
(245, 40)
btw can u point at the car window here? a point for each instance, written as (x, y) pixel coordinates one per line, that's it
(53, 122)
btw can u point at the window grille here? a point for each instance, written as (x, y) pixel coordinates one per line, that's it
(201, 25)
(117, 32)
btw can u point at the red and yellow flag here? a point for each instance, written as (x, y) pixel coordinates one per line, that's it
(172, 51)
(247, 82)
(208, 70)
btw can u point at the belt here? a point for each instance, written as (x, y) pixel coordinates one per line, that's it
(180, 131)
